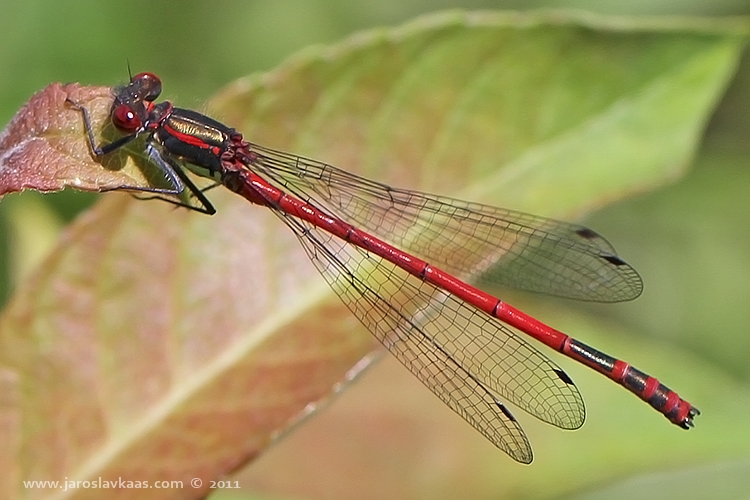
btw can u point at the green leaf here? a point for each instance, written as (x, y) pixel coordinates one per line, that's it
(540, 112)
(160, 344)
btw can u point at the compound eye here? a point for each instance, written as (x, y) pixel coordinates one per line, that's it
(148, 84)
(125, 119)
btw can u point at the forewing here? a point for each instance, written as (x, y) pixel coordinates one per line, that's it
(505, 247)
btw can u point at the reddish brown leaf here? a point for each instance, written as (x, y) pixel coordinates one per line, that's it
(44, 146)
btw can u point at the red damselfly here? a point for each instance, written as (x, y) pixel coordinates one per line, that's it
(448, 333)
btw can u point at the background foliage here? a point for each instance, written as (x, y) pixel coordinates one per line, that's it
(689, 241)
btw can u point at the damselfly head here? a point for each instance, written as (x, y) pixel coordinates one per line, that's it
(147, 86)
(125, 119)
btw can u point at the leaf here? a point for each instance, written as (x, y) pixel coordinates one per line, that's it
(41, 148)
(157, 344)
(539, 112)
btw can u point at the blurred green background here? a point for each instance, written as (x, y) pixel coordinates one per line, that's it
(690, 241)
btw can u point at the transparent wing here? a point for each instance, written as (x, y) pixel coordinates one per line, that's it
(467, 358)
(505, 247)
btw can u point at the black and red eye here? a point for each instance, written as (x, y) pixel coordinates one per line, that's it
(148, 84)
(125, 119)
